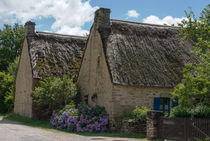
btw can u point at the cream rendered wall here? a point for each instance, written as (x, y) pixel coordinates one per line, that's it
(94, 76)
(23, 88)
(127, 97)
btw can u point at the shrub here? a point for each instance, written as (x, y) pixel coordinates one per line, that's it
(201, 111)
(139, 114)
(80, 118)
(6, 92)
(180, 112)
(54, 93)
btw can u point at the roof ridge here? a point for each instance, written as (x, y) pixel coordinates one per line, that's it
(50, 33)
(124, 21)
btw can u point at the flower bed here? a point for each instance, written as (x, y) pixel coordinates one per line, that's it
(81, 118)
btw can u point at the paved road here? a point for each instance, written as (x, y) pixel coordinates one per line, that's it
(14, 131)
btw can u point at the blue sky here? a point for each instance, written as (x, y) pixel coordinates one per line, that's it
(76, 16)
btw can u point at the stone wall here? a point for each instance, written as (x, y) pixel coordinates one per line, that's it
(23, 87)
(130, 126)
(127, 97)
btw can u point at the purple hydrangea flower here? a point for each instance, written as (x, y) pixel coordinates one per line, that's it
(81, 118)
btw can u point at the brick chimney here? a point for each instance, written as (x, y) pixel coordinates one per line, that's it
(29, 28)
(102, 18)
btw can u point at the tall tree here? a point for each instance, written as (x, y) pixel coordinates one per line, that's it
(11, 39)
(195, 87)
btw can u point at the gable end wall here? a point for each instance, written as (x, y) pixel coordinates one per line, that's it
(94, 76)
(23, 84)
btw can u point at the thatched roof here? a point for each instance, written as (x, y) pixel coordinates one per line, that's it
(141, 54)
(55, 54)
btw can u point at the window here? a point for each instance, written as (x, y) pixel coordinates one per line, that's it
(162, 104)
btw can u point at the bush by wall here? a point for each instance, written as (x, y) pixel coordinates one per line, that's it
(54, 93)
(81, 118)
(139, 114)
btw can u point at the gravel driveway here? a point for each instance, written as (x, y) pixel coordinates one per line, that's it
(14, 131)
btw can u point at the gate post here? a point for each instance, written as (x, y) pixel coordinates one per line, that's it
(153, 118)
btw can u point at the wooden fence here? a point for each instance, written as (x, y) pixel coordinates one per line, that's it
(182, 129)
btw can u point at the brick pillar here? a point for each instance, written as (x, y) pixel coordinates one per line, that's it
(152, 124)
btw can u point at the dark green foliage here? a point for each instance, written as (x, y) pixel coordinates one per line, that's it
(198, 139)
(180, 112)
(6, 92)
(54, 94)
(11, 39)
(199, 111)
(97, 110)
(12, 68)
(139, 114)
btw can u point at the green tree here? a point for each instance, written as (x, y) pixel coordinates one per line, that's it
(11, 39)
(12, 68)
(8, 85)
(194, 90)
(6, 92)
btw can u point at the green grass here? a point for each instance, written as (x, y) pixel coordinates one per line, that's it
(2, 115)
(46, 125)
(27, 121)
(114, 134)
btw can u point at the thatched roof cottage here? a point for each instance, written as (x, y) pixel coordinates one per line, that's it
(43, 55)
(127, 64)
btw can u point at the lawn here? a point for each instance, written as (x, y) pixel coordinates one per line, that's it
(27, 121)
(46, 125)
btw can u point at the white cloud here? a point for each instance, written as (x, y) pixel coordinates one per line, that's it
(132, 14)
(69, 15)
(73, 31)
(169, 20)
